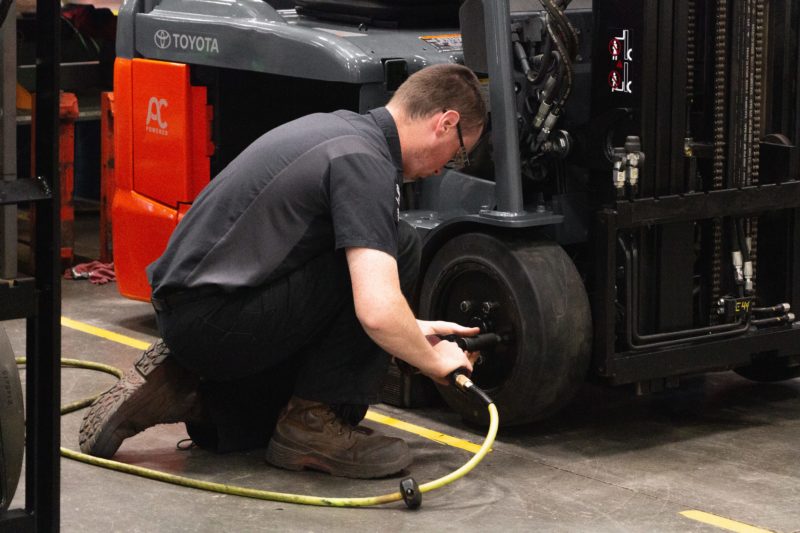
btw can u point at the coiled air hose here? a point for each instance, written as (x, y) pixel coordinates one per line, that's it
(409, 492)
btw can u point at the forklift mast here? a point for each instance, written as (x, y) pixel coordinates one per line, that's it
(697, 262)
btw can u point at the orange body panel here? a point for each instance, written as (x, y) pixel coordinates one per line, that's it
(68, 113)
(163, 148)
(141, 231)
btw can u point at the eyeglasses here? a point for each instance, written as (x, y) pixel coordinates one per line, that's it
(461, 157)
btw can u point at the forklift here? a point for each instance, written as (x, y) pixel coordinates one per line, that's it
(630, 216)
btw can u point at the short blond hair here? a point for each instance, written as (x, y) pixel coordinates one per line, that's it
(439, 87)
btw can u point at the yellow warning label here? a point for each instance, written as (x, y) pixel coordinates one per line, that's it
(446, 42)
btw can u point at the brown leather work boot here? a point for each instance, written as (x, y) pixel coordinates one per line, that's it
(310, 435)
(155, 391)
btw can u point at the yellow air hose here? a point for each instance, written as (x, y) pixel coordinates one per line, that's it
(409, 492)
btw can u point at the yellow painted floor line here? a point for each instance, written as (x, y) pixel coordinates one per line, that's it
(371, 415)
(723, 523)
(100, 332)
(423, 432)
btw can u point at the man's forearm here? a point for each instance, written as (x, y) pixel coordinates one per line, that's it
(396, 331)
(386, 317)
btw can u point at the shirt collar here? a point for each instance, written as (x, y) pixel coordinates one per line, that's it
(385, 121)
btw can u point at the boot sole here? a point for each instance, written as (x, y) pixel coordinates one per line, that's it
(290, 458)
(108, 421)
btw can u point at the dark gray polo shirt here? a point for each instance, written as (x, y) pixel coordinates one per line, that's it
(319, 183)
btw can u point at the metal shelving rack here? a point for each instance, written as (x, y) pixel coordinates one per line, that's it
(38, 298)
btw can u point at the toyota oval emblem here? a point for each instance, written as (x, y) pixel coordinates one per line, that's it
(162, 39)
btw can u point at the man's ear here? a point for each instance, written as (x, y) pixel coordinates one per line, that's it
(446, 121)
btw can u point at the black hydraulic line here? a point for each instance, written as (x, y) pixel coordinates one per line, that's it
(772, 310)
(742, 239)
(738, 246)
(682, 334)
(553, 91)
(734, 236)
(565, 75)
(655, 340)
(565, 27)
(788, 318)
(547, 59)
(564, 31)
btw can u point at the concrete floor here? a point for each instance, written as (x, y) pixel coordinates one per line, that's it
(610, 461)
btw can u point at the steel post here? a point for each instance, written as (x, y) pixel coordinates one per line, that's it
(508, 177)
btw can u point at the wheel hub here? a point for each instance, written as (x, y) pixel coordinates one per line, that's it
(473, 295)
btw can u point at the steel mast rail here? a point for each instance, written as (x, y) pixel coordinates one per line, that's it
(39, 299)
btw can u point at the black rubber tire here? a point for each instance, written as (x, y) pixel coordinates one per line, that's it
(542, 305)
(769, 370)
(12, 423)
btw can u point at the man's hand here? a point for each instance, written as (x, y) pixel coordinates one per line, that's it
(453, 357)
(432, 330)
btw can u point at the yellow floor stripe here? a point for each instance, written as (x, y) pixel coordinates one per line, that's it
(724, 523)
(423, 432)
(371, 415)
(99, 332)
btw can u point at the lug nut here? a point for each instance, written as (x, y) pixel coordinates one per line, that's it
(488, 307)
(465, 306)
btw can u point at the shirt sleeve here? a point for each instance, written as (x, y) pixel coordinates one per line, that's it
(365, 202)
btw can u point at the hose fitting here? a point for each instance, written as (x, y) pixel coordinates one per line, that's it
(736, 260)
(463, 383)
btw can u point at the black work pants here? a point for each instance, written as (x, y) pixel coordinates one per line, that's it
(255, 347)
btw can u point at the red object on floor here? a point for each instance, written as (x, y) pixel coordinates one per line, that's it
(96, 272)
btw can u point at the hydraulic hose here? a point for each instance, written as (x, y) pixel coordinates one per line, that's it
(565, 69)
(409, 491)
(546, 63)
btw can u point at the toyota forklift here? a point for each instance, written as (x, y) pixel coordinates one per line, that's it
(631, 214)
